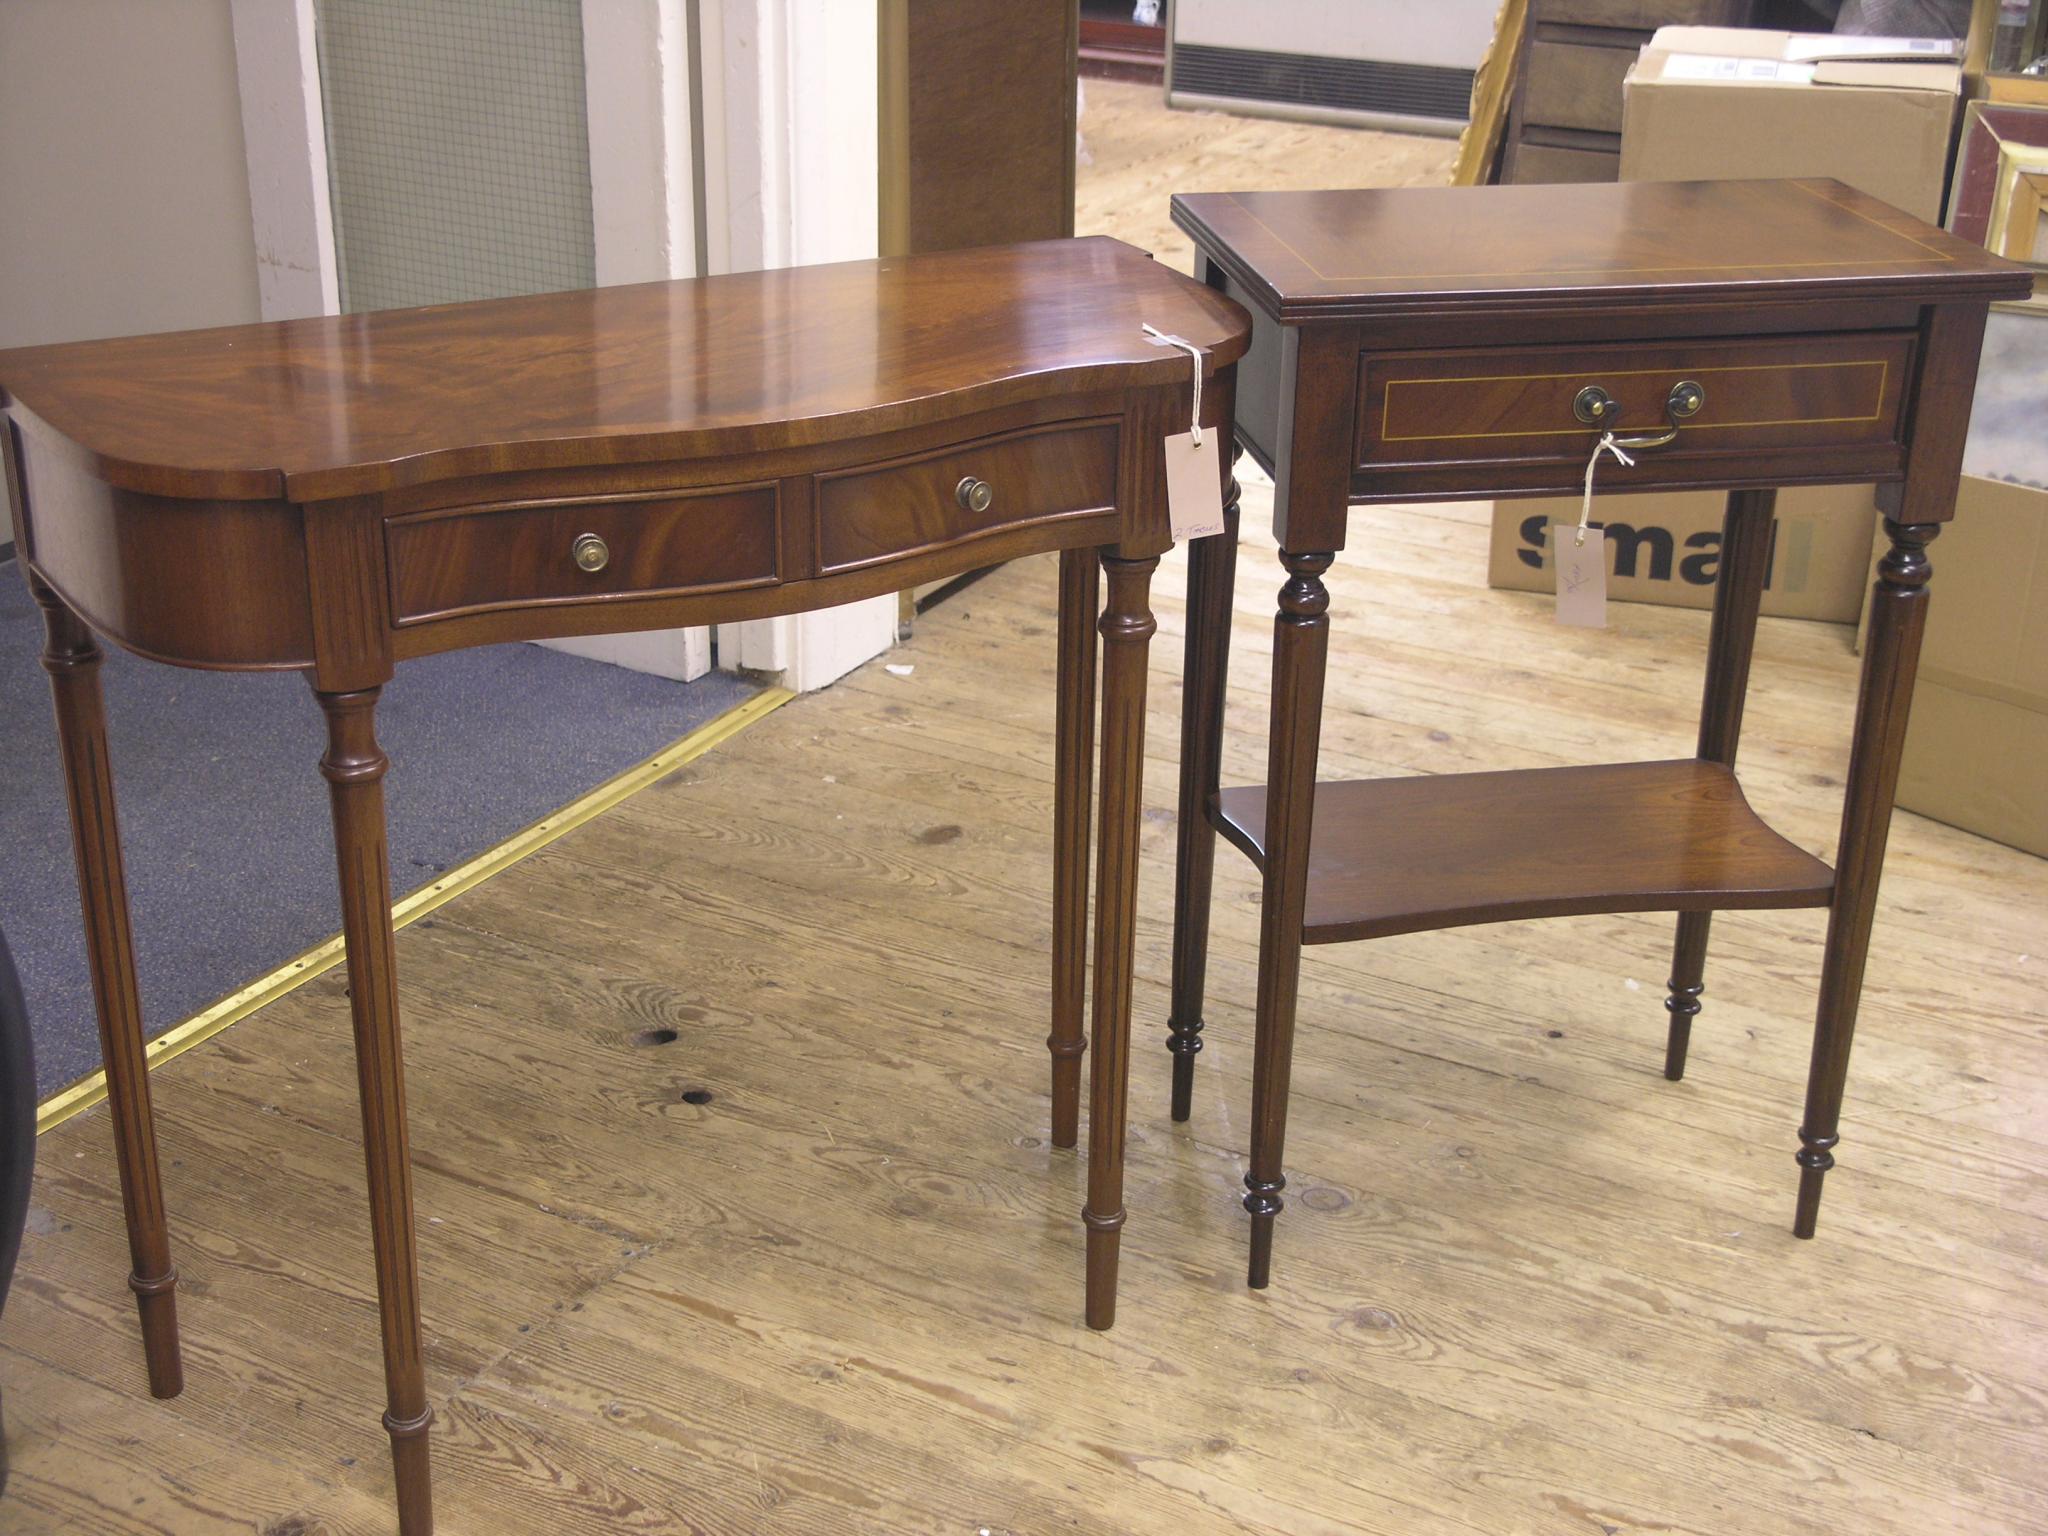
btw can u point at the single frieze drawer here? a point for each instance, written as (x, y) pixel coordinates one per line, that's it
(957, 494)
(476, 558)
(1721, 397)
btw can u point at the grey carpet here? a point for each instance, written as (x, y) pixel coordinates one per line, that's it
(224, 813)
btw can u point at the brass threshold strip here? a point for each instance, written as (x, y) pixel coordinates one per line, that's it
(299, 970)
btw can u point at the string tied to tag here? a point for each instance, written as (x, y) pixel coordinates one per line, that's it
(1167, 339)
(1607, 444)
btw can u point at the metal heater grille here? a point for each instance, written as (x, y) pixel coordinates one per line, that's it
(458, 150)
(1371, 86)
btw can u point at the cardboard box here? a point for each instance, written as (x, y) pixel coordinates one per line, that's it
(1877, 113)
(1977, 747)
(1665, 547)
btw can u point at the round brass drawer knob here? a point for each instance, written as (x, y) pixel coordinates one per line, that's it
(974, 494)
(1594, 406)
(590, 553)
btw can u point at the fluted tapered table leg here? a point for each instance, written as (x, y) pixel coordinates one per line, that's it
(1301, 645)
(72, 658)
(1212, 572)
(1074, 762)
(1891, 658)
(354, 766)
(1738, 597)
(1127, 627)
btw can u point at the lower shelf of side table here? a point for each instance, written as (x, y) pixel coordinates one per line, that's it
(1401, 855)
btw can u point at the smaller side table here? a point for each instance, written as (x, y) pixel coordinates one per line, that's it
(1471, 342)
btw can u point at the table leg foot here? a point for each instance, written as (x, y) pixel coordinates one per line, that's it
(1105, 1237)
(1262, 1200)
(414, 1478)
(1688, 966)
(1815, 1157)
(72, 658)
(156, 1303)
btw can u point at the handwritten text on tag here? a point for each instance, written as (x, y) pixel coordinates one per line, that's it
(1194, 486)
(1581, 557)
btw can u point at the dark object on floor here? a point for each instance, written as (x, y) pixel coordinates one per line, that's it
(224, 888)
(17, 1140)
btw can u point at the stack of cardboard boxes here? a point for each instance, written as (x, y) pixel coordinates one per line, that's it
(1879, 114)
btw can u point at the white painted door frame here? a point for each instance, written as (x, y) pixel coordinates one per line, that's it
(788, 165)
(636, 76)
(791, 164)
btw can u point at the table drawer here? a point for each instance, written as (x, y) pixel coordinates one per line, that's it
(514, 554)
(928, 501)
(1783, 393)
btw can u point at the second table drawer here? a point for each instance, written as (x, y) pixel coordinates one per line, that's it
(959, 493)
(1787, 392)
(475, 558)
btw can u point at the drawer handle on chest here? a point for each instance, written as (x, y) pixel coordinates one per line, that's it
(975, 495)
(1596, 408)
(590, 553)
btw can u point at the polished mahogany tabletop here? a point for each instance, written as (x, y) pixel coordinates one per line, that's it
(1329, 255)
(354, 404)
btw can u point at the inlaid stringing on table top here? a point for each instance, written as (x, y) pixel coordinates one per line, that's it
(1421, 344)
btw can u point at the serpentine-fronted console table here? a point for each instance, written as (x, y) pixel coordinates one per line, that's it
(335, 496)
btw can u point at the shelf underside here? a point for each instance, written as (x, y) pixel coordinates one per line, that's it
(1440, 851)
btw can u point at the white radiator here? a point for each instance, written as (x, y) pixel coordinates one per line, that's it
(1373, 63)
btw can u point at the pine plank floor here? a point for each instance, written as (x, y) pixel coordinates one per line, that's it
(1523, 1285)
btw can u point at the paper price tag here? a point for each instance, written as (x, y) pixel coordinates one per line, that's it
(1194, 486)
(1581, 560)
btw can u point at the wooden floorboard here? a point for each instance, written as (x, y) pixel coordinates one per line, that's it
(1523, 1284)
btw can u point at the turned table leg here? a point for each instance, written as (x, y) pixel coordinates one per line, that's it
(1073, 763)
(1738, 595)
(1212, 571)
(1301, 644)
(1127, 627)
(354, 766)
(1891, 657)
(72, 658)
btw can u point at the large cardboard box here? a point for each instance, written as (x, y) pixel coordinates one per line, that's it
(1879, 114)
(1707, 102)
(1665, 547)
(1977, 746)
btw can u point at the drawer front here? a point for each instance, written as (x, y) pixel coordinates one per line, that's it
(1788, 393)
(927, 502)
(515, 554)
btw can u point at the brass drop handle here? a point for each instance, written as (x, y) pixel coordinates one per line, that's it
(974, 495)
(590, 553)
(1597, 408)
